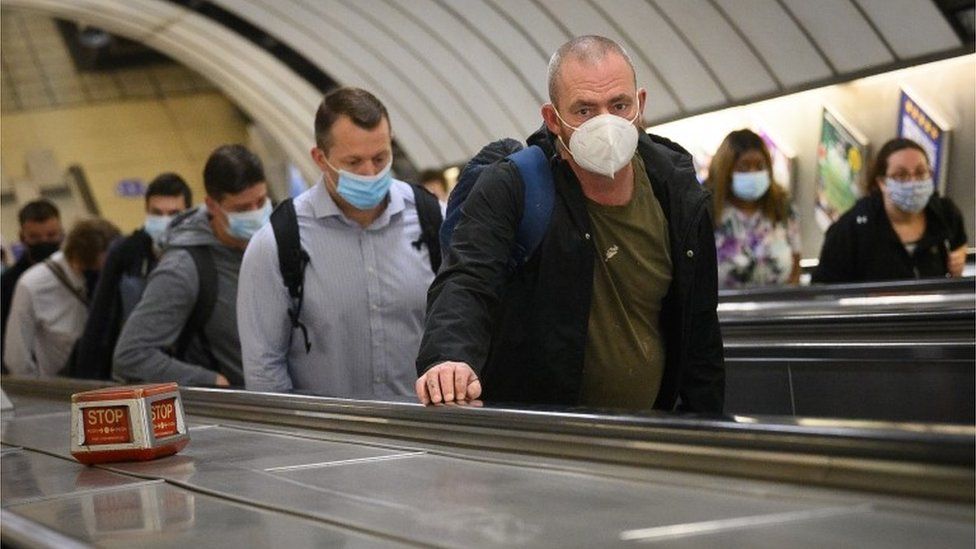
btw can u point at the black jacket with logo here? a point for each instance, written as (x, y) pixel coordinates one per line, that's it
(524, 331)
(862, 246)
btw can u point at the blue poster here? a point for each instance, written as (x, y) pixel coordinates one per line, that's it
(130, 188)
(923, 126)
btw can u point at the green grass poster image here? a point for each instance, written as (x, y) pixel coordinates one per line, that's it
(840, 163)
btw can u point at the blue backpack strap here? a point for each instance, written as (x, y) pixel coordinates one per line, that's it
(489, 154)
(533, 167)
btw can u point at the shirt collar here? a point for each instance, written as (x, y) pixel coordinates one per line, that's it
(324, 206)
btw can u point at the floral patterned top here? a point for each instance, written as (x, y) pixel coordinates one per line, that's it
(752, 250)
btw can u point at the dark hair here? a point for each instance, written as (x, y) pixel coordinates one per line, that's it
(169, 184)
(230, 170)
(38, 211)
(433, 175)
(88, 239)
(774, 204)
(880, 166)
(362, 107)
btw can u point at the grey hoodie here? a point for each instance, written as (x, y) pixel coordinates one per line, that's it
(166, 305)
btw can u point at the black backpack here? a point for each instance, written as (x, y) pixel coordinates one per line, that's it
(292, 258)
(194, 327)
(203, 308)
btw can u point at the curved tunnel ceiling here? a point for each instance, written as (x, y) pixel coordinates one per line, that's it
(456, 74)
(270, 93)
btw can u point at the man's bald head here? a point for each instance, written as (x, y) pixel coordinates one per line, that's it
(588, 50)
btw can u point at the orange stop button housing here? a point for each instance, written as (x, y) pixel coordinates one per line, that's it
(134, 423)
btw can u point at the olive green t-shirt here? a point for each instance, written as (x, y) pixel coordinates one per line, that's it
(624, 359)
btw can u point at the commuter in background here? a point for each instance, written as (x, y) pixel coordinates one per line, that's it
(616, 307)
(902, 229)
(123, 279)
(50, 303)
(184, 329)
(757, 236)
(435, 182)
(41, 233)
(5, 257)
(349, 322)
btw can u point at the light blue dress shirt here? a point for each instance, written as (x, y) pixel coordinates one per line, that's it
(365, 298)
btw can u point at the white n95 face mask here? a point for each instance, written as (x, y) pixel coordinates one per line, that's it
(603, 144)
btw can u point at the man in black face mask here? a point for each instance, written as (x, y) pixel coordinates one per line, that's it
(50, 303)
(42, 233)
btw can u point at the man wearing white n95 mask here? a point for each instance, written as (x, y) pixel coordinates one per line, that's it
(616, 307)
(351, 324)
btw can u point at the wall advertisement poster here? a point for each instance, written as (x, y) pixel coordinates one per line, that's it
(841, 155)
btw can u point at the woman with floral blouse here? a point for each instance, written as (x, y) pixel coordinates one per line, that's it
(757, 235)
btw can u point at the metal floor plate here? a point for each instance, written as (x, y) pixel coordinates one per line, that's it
(29, 476)
(240, 485)
(159, 515)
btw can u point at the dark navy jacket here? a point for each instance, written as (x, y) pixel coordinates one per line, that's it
(862, 246)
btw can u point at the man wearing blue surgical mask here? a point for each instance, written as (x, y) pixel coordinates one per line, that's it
(184, 329)
(616, 307)
(123, 278)
(356, 327)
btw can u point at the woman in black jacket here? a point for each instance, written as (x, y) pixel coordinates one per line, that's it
(900, 230)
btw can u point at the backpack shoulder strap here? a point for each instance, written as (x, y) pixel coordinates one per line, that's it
(206, 300)
(533, 167)
(429, 214)
(292, 260)
(63, 279)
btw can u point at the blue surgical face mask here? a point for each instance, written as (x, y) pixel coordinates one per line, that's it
(910, 196)
(156, 225)
(364, 192)
(243, 225)
(750, 186)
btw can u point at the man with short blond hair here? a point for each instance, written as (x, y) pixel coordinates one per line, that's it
(356, 327)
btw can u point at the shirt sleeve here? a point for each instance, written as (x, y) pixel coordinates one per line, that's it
(156, 324)
(18, 344)
(262, 317)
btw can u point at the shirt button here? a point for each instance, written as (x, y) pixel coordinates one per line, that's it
(374, 307)
(691, 253)
(370, 270)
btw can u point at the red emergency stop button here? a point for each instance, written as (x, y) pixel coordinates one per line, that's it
(137, 422)
(107, 425)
